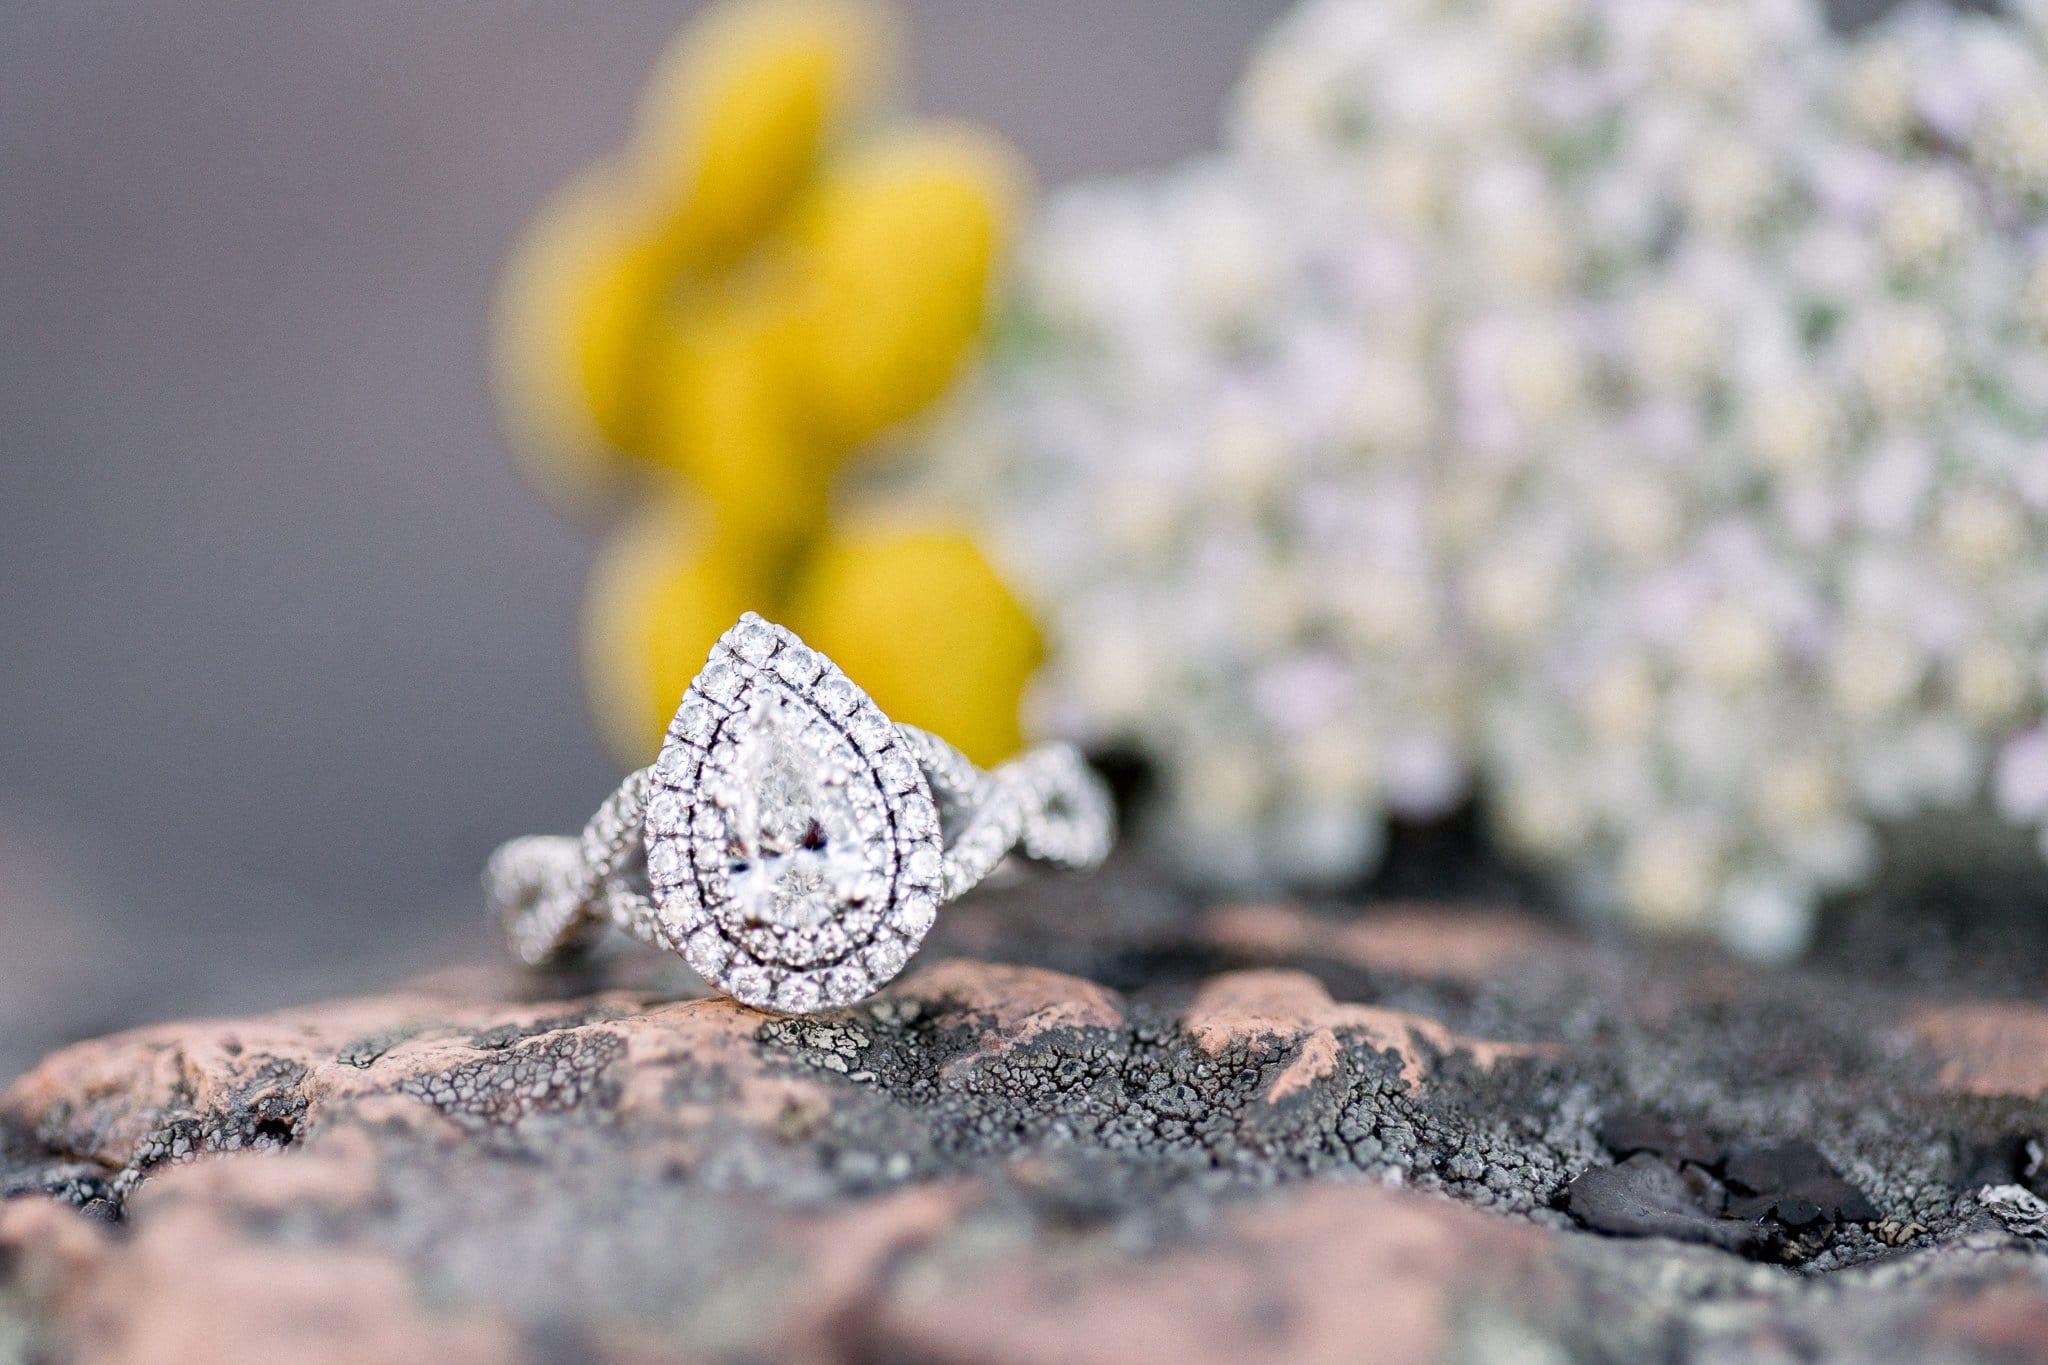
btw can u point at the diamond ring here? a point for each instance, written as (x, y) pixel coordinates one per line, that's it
(791, 843)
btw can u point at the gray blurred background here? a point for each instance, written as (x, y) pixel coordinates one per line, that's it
(285, 645)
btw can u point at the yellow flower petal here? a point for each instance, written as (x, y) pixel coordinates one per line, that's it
(738, 111)
(895, 253)
(571, 317)
(724, 418)
(914, 614)
(661, 591)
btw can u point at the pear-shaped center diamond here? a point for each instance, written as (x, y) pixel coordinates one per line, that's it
(795, 855)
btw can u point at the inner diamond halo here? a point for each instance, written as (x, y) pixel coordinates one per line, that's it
(794, 861)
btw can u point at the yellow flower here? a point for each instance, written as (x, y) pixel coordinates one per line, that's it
(663, 588)
(759, 284)
(736, 224)
(731, 129)
(575, 302)
(896, 251)
(914, 614)
(722, 415)
(741, 108)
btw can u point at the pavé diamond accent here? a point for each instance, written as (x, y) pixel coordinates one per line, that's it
(753, 640)
(719, 681)
(915, 913)
(898, 772)
(750, 985)
(665, 813)
(835, 695)
(885, 957)
(678, 764)
(847, 983)
(664, 863)
(798, 664)
(871, 731)
(706, 952)
(695, 722)
(799, 995)
(920, 817)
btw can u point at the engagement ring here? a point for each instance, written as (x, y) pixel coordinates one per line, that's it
(791, 842)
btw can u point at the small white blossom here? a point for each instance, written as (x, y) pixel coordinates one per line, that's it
(1979, 532)
(1670, 874)
(1926, 221)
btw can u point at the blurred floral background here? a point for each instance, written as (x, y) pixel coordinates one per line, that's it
(1626, 411)
(1631, 413)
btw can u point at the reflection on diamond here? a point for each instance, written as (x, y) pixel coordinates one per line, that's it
(886, 958)
(753, 641)
(917, 912)
(665, 814)
(836, 696)
(706, 952)
(799, 993)
(663, 862)
(796, 852)
(719, 681)
(749, 985)
(798, 664)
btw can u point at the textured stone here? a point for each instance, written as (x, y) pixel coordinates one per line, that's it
(1148, 1135)
(1450, 943)
(1290, 1011)
(1987, 1047)
(1334, 1274)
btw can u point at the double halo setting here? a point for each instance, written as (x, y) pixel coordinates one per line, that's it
(791, 842)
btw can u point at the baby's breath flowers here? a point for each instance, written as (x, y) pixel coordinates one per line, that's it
(696, 337)
(1635, 411)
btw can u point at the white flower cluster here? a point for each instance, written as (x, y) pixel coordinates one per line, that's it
(1636, 410)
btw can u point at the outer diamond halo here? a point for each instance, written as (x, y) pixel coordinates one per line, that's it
(803, 869)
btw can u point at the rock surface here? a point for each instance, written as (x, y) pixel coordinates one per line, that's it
(1094, 1125)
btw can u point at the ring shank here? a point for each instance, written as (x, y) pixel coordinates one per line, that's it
(553, 894)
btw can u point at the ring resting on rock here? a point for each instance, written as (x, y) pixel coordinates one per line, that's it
(791, 842)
